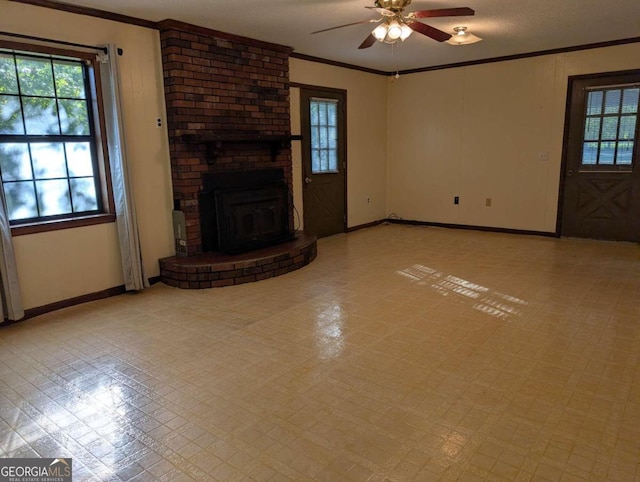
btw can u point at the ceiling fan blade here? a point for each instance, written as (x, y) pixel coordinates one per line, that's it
(429, 31)
(443, 12)
(382, 11)
(347, 25)
(368, 42)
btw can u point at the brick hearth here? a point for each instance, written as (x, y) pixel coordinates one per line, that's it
(214, 270)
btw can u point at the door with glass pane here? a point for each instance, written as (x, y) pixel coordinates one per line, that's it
(323, 161)
(601, 175)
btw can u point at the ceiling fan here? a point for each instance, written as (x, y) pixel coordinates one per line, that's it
(396, 25)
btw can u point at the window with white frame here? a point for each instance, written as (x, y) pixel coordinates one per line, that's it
(50, 165)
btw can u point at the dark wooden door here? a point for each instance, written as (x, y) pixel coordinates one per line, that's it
(323, 161)
(601, 169)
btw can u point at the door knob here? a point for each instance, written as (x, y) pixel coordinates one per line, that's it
(570, 173)
(307, 180)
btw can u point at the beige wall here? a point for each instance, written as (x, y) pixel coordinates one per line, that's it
(366, 136)
(479, 132)
(64, 264)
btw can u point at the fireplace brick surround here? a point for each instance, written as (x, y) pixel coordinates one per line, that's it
(227, 100)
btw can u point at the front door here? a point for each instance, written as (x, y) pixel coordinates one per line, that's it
(601, 169)
(323, 161)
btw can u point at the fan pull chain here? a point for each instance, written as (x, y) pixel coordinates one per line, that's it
(394, 58)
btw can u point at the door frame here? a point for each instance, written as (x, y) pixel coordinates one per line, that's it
(571, 91)
(328, 90)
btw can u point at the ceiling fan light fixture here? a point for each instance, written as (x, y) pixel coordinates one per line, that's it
(406, 32)
(395, 24)
(395, 30)
(462, 37)
(380, 32)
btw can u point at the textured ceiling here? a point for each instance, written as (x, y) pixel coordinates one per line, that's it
(508, 27)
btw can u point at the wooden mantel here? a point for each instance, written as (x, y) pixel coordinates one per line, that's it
(215, 141)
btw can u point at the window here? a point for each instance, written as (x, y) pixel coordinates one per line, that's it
(49, 150)
(323, 125)
(610, 126)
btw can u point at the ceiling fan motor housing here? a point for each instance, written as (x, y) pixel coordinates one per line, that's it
(393, 5)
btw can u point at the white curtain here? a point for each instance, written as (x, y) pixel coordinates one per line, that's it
(11, 306)
(129, 238)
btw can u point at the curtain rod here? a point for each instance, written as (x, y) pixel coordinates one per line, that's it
(59, 42)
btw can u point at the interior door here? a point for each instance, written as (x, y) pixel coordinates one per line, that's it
(323, 161)
(601, 175)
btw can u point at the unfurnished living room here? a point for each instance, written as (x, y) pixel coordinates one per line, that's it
(361, 240)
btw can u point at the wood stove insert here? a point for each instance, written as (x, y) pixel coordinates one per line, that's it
(242, 211)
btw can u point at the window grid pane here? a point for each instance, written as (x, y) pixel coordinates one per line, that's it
(624, 154)
(15, 162)
(610, 126)
(324, 133)
(592, 129)
(40, 116)
(594, 103)
(35, 77)
(9, 83)
(21, 200)
(48, 175)
(612, 101)
(630, 101)
(69, 80)
(11, 115)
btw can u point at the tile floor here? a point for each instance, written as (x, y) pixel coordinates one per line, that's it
(401, 353)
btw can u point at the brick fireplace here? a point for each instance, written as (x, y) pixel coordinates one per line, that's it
(227, 100)
(227, 103)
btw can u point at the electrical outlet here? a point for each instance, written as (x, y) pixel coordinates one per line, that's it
(159, 122)
(368, 200)
(488, 202)
(456, 200)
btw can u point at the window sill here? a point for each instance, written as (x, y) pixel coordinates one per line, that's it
(56, 225)
(606, 168)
